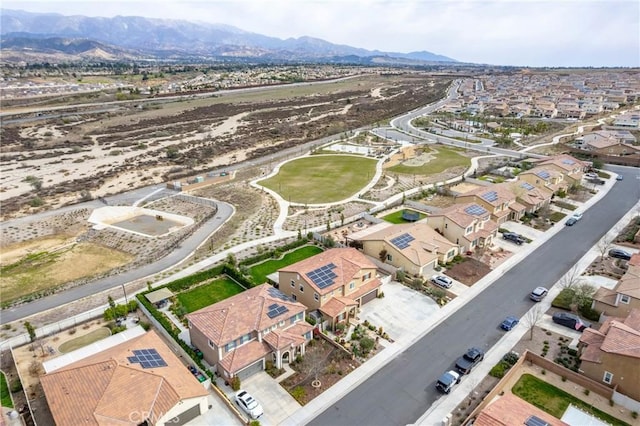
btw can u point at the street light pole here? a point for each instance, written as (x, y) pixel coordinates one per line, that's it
(125, 295)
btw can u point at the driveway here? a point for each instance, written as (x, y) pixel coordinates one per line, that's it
(401, 312)
(219, 414)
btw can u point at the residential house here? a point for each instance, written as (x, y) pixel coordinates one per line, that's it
(239, 334)
(469, 225)
(335, 283)
(533, 198)
(497, 199)
(415, 248)
(629, 119)
(139, 381)
(625, 296)
(611, 354)
(545, 178)
(571, 168)
(510, 410)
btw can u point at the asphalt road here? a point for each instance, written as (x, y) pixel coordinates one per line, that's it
(404, 389)
(184, 250)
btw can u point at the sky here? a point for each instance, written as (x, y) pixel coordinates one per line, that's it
(560, 33)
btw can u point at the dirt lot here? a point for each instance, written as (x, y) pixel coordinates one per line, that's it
(469, 271)
(135, 145)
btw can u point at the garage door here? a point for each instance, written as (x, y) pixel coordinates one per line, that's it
(250, 370)
(185, 416)
(368, 297)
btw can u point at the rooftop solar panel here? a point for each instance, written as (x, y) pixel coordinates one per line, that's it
(543, 174)
(147, 358)
(535, 421)
(402, 241)
(568, 161)
(323, 276)
(475, 210)
(527, 186)
(490, 196)
(276, 310)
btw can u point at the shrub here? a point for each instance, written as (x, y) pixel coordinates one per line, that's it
(235, 383)
(15, 386)
(588, 313)
(499, 370)
(634, 414)
(587, 392)
(564, 299)
(299, 394)
(366, 344)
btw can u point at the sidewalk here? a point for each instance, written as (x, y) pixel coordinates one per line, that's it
(444, 406)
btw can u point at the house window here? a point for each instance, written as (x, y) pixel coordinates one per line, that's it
(281, 323)
(211, 344)
(446, 225)
(301, 288)
(352, 285)
(292, 319)
(293, 296)
(229, 346)
(300, 316)
(608, 377)
(245, 338)
(389, 258)
(316, 297)
(625, 299)
(469, 229)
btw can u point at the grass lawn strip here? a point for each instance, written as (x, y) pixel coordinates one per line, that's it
(84, 340)
(260, 271)
(208, 294)
(396, 217)
(446, 158)
(321, 178)
(555, 401)
(4, 391)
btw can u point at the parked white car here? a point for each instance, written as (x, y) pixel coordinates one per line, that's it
(442, 281)
(248, 404)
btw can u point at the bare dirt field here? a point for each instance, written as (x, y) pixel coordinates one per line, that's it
(469, 271)
(51, 162)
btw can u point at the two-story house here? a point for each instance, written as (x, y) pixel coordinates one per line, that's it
(414, 248)
(625, 296)
(571, 168)
(545, 178)
(239, 334)
(468, 225)
(334, 283)
(533, 198)
(498, 200)
(611, 355)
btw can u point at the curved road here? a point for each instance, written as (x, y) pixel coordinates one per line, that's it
(183, 251)
(404, 389)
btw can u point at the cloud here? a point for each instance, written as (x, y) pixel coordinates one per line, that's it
(519, 32)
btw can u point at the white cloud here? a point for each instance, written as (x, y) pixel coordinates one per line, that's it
(520, 32)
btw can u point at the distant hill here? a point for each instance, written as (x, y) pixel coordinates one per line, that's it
(130, 36)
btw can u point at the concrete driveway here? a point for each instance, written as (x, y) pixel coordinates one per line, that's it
(276, 402)
(401, 312)
(219, 414)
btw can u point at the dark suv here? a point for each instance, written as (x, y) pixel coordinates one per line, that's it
(570, 321)
(620, 254)
(512, 236)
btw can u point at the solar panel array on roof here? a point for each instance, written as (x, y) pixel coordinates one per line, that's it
(490, 196)
(274, 292)
(475, 210)
(527, 186)
(535, 421)
(568, 161)
(148, 358)
(543, 174)
(402, 241)
(323, 276)
(275, 310)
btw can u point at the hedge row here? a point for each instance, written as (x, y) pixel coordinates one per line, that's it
(186, 282)
(237, 276)
(275, 253)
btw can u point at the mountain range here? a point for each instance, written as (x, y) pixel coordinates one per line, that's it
(131, 37)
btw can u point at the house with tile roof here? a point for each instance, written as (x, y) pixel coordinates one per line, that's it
(611, 354)
(545, 178)
(571, 168)
(497, 199)
(533, 198)
(510, 410)
(416, 248)
(625, 296)
(335, 283)
(469, 225)
(139, 381)
(239, 334)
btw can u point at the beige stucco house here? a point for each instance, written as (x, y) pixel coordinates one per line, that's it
(545, 178)
(416, 248)
(571, 168)
(498, 200)
(625, 296)
(335, 283)
(467, 225)
(611, 355)
(239, 334)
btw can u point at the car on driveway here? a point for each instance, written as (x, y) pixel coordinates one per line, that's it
(620, 254)
(509, 322)
(513, 237)
(572, 221)
(466, 362)
(248, 404)
(538, 294)
(570, 321)
(442, 281)
(591, 175)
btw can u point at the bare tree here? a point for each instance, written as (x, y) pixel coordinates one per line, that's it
(531, 319)
(571, 278)
(604, 245)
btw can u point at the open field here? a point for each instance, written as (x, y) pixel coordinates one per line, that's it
(84, 340)
(14, 252)
(439, 159)
(44, 270)
(322, 178)
(260, 271)
(107, 148)
(208, 294)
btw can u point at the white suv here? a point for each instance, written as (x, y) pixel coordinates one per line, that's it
(442, 281)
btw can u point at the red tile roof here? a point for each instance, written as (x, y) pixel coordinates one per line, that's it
(615, 336)
(509, 410)
(244, 355)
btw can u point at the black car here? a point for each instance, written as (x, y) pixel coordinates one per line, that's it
(570, 321)
(620, 254)
(572, 221)
(512, 236)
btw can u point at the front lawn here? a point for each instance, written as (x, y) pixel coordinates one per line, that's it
(82, 341)
(555, 401)
(208, 294)
(445, 158)
(396, 217)
(260, 271)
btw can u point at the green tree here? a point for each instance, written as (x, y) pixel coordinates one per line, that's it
(30, 330)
